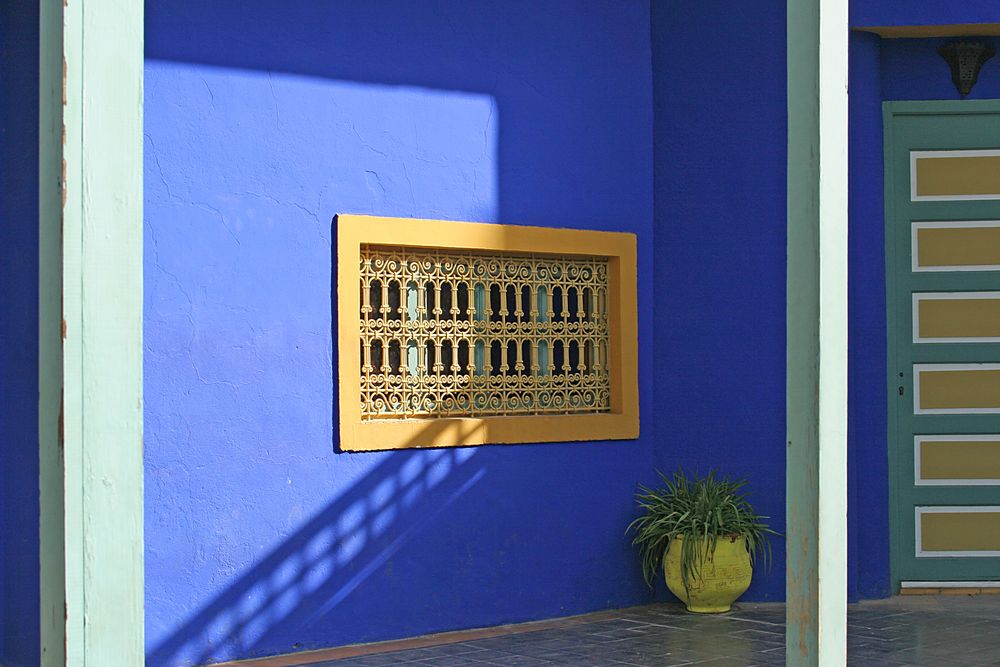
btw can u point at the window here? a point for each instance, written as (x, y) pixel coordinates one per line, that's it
(448, 333)
(456, 333)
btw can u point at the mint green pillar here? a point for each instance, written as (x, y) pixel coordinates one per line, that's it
(90, 332)
(816, 468)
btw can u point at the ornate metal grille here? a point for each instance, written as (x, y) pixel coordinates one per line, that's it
(464, 334)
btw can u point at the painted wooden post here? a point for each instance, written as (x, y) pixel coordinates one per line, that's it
(91, 188)
(816, 580)
(50, 481)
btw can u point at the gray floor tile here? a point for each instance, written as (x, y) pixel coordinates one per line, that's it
(945, 630)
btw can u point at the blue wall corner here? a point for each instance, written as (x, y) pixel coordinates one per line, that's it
(263, 121)
(19, 569)
(719, 160)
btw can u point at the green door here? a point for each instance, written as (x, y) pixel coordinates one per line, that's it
(943, 277)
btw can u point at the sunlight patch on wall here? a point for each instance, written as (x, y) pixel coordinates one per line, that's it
(429, 153)
(239, 354)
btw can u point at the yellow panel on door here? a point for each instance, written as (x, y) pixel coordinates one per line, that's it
(956, 316)
(959, 460)
(960, 530)
(958, 389)
(957, 174)
(956, 246)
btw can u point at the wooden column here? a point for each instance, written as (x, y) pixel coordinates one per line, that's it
(90, 431)
(816, 580)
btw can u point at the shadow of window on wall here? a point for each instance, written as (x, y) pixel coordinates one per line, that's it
(316, 568)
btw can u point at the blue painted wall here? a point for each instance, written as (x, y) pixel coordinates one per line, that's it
(868, 496)
(261, 538)
(719, 156)
(911, 69)
(921, 12)
(263, 121)
(19, 601)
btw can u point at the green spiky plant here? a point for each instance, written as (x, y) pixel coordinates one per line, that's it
(701, 510)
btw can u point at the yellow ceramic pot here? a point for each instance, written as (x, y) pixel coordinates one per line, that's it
(724, 576)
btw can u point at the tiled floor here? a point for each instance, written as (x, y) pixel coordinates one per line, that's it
(913, 630)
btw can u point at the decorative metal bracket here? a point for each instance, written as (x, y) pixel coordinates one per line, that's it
(965, 60)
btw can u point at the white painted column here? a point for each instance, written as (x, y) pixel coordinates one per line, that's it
(816, 529)
(90, 226)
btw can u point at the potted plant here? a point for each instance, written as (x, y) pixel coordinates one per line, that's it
(705, 536)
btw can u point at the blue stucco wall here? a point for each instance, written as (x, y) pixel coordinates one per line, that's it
(719, 155)
(873, 13)
(868, 496)
(261, 538)
(911, 69)
(19, 600)
(265, 120)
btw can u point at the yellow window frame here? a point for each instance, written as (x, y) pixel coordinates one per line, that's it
(621, 423)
